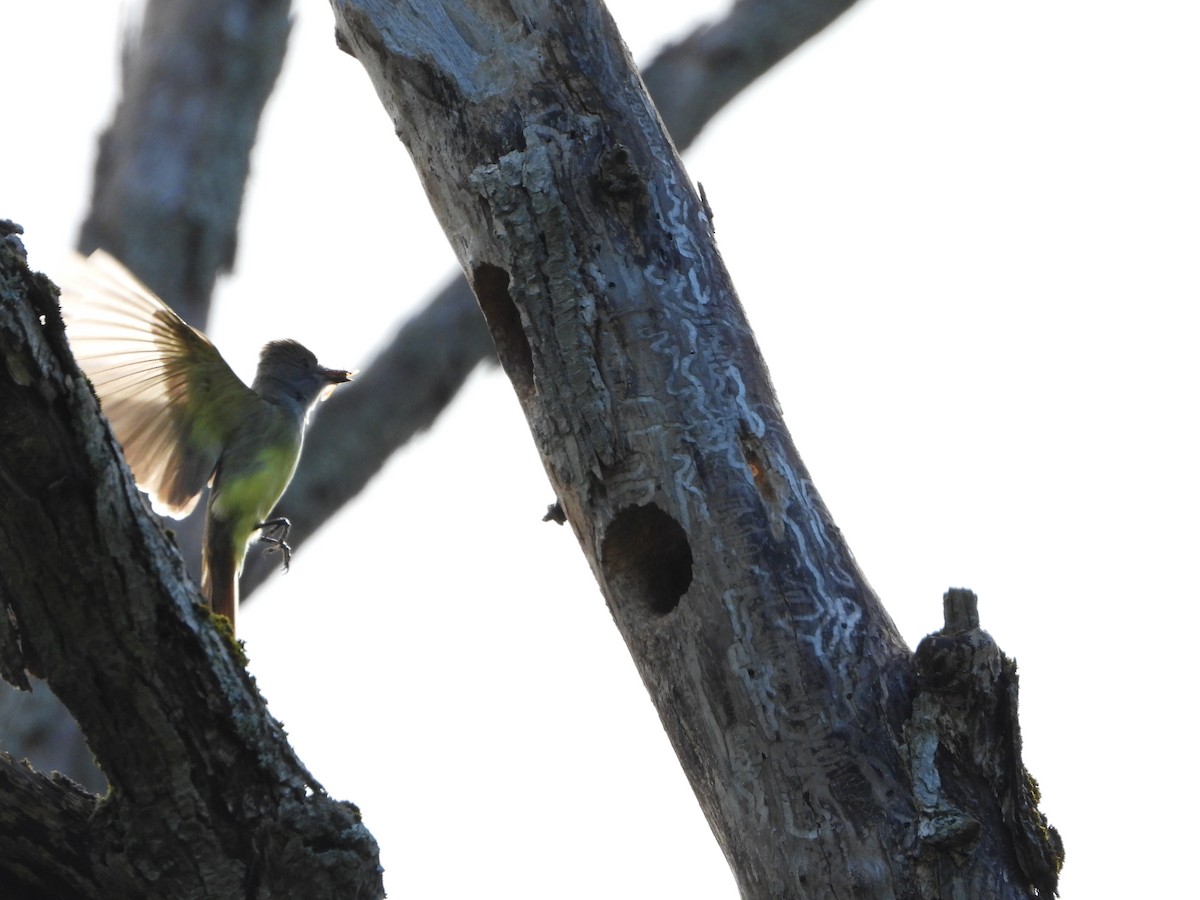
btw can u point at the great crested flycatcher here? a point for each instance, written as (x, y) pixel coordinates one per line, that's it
(184, 419)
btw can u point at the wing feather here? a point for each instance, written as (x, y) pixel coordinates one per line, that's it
(165, 389)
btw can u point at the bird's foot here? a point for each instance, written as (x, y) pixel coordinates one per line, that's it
(274, 533)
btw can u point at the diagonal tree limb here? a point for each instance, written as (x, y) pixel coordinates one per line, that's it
(693, 80)
(778, 676)
(690, 82)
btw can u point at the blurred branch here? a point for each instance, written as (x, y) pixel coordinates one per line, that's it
(398, 395)
(172, 166)
(402, 391)
(693, 80)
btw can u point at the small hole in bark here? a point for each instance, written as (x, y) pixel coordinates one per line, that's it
(490, 284)
(646, 554)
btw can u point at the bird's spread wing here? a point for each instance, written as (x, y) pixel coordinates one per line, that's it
(165, 389)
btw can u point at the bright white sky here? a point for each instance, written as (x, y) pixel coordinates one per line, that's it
(966, 234)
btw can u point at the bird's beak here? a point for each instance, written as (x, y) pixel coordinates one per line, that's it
(335, 377)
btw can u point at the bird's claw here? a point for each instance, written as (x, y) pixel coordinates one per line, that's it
(277, 538)
(278, 546)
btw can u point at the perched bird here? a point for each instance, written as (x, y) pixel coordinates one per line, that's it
(184, 419)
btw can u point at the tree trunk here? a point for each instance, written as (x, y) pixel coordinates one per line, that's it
(357, 432)
(778, 676)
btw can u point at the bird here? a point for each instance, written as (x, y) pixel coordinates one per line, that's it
(185, 420)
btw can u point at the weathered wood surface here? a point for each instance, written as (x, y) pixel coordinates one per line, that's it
(777, 674)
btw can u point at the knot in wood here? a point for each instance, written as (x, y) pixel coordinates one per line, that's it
(617, 175)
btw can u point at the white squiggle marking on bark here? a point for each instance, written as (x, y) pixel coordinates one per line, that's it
(685, 485)
(755, 422)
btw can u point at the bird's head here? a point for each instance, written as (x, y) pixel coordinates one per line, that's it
(291, 369)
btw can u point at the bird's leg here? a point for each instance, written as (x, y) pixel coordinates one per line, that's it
(277, 537)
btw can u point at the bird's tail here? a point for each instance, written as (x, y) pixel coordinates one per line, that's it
(222, 559)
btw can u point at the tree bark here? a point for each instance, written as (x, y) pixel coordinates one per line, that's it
(206, 798)
(778, 676)
(357, 431)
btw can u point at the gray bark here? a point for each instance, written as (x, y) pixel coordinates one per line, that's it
(778, 676)
(357, 431)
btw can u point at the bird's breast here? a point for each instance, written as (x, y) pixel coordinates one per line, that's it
(253, 473)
